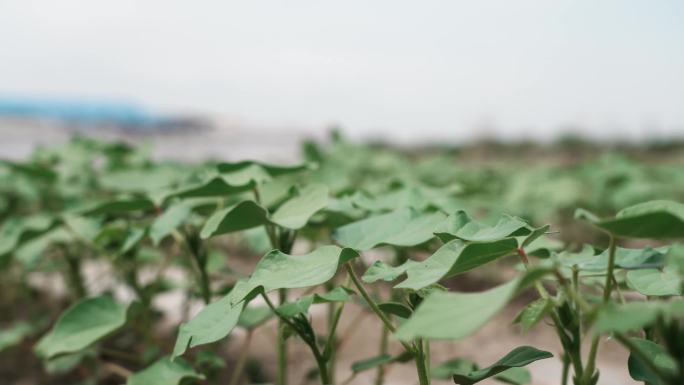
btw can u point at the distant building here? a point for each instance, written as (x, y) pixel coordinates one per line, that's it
(98, 114)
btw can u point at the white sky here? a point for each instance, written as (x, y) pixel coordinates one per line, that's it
(403, 69)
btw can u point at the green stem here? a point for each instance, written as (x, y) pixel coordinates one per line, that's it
(282, 343)
(321, 361)
(573, 353)
(242, 358)
(566, 370)
(331, 344)
(372, 304)
(384, 342)
(74, 275)
(593, 352)
(421, 363)
(200, 264)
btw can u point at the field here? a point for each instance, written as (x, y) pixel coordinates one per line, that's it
(356, 264)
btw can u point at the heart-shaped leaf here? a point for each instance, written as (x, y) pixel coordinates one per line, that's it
(404, 227)
(295, 212)
(460, 225)
(455, 257)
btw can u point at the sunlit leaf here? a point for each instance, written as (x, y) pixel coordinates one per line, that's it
(454, 258)
(461, 226)
(405, 227)
(296, 211)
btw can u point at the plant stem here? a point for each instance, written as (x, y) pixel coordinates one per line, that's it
(282, 344)
(372, 304)
(566, 369)
(384, 341)
(591, 360)
(200, 264)
(74, 275)
(321, 361)
(573, 354)
(421, 364)
(242, 358)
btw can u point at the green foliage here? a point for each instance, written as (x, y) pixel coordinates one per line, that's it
(421, 219)
(520, 356)
(165, 372)
(83, 324)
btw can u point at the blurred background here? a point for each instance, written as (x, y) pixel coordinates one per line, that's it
(256, 77)
(528, 107)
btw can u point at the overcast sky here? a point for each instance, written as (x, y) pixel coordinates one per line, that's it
(410, 69)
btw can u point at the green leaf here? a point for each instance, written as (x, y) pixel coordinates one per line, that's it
(377, 361)
(118, 206)
(640, 371)
(83, 324)
(215, 186)
(249, 170)
(253, 317)
(520, 356)
(405, 227)
(295, 212)
(275, 270)
(299, 306)
(533, 313)
(214, 322)
(171, 219)
(455, 257)
(614, 318)
(242, 216)
(654, 282)
(461, 366)
(395, 308)
(447, 369)
(381, 271)
(165, 372)
(515, 376)
(434, 317)
(17, 231)
(460, 225)
(34, 171)
(14, 334)
(657, 219)
(587, 260)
